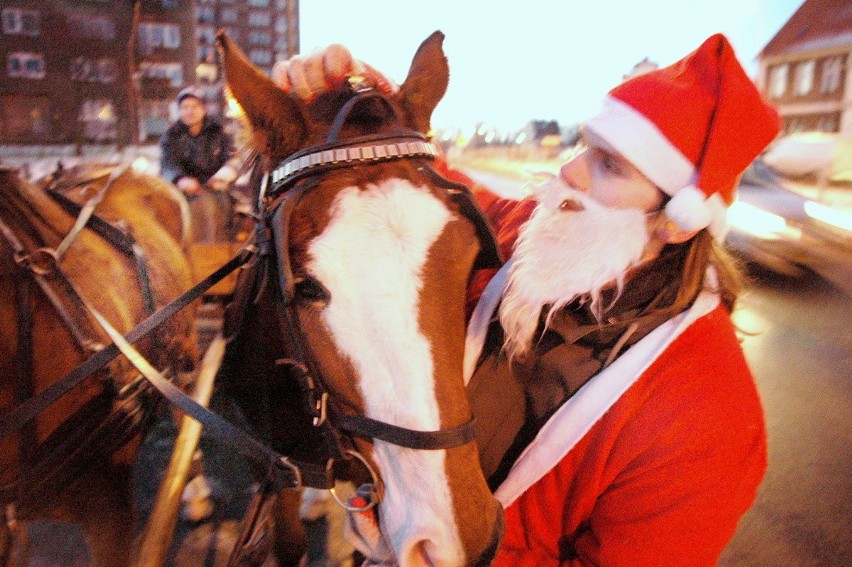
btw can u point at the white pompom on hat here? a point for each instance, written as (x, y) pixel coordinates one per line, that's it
(692, 128)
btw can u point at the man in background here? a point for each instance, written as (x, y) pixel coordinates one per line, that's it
(197, 156)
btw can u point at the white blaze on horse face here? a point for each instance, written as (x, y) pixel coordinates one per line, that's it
(371, 257)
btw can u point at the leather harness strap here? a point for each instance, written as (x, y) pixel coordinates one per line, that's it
(15, 419)
(121, 239)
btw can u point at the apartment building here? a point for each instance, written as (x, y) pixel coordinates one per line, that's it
(165, 60)
(64, 69)
(107, 71)
(266, 30)
(805, 68)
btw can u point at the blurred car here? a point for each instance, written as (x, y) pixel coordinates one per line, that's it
(787, 232)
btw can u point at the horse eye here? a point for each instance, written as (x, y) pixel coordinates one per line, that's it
(311, 291)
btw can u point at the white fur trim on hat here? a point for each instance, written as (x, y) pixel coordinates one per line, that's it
(691, 209)
(637, 139)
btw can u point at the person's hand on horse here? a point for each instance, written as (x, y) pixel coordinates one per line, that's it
(324, 70)
(222, 179)
(189, 186)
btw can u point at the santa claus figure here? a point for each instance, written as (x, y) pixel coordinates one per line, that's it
(617, 420)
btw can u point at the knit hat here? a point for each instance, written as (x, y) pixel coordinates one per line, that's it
(187, 92)
(692, 128)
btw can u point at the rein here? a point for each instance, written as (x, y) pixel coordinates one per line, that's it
(15, 419)
(92, 429)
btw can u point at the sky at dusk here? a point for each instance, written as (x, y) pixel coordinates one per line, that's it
(511, 62)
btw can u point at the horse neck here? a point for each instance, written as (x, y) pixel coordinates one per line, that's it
(31, 212)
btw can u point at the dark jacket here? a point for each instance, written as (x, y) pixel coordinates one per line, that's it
(185, 155)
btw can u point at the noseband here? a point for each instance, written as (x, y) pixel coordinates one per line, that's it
(296, 177)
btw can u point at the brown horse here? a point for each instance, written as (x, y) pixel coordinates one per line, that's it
(72, 461)
(356, 304)
(132, 197)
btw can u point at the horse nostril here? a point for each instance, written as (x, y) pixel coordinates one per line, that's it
(423, 553)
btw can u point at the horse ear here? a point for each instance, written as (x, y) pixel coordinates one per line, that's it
(426, 82)
(278, 120)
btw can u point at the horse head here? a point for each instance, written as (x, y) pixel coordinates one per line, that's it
(372, 255)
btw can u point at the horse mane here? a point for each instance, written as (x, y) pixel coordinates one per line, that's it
(31, 211)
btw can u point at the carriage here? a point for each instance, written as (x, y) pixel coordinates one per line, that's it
(346, 328)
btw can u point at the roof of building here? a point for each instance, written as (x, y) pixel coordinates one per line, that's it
(817, 24)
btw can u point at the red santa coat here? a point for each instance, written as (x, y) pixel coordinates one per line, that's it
(652, 462)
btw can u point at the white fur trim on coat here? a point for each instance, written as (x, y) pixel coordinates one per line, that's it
(576, 417)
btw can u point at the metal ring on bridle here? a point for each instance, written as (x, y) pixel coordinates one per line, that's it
(374, 493)
(43, 261)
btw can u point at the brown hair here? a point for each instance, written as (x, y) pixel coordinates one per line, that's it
(704, 251)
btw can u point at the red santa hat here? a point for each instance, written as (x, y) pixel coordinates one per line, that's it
(692, 128)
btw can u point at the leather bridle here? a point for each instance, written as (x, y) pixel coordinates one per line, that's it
(296, 177)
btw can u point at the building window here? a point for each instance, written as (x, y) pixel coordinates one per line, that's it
(19, 21)
(803, 81)
(206, 35)
(258, 3)
(233, 33)
(206, 54)
(260, 56)
(26, 118)
(156, 116)
(832, 71)
(25, 65)
(98, 118)
(205, 14)
(103, 70)
(259, 38)
(172, 72)
(259, 19)
(96, 27)
(153, 36)
(107, 70)
(82, 69)
(778, 81)
(228, 15)
(170, 4)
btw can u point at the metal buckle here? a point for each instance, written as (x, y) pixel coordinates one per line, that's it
(42, 262)
(284, 460)
(322, 408)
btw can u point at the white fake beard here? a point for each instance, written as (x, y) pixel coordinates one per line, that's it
(561, 255)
